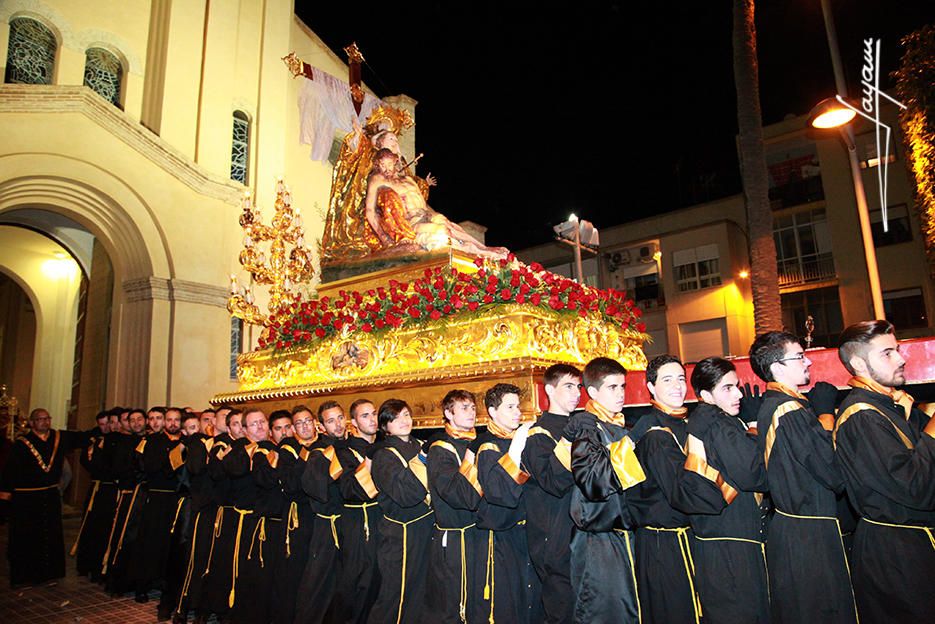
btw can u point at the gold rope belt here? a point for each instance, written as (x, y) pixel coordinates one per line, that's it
(178, 509)
(490, 579)
(163, 491)
(402, 587)
(113, 529)
(260, 530)
(334, 528)
(747, 541)
(681, 535)
(218, 523)
(292, 523)
(927, 530)
(627, 537)
(363, 506)
(462, 610)
(191, 565)
(242, 513)
(126, 521)
(36, 489)
(87, 512)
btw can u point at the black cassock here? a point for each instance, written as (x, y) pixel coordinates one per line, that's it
(730, 560)
(217, 580)
(120, 449)
(149, 553)
(510, 587)
(457, 543)
(664, 566)
(360, 535)
(602, 573)
(808, 574)
(36, 547)
(889, 468)
(549, 526)
(399, 476)
(92, 537)
(318, 586)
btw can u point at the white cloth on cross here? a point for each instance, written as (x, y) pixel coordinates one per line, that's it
(325, 107)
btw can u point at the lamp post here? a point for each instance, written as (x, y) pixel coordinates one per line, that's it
(837, 120)
(580, 235)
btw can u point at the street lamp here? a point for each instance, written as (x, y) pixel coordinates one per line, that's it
(580, 235)
(830, 114)
(870, 254)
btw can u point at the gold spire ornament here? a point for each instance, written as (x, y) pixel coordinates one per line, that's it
(284, 270)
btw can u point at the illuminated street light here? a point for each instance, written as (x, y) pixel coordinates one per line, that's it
(829, 113)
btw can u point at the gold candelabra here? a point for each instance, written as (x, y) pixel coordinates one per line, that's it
(283, 270)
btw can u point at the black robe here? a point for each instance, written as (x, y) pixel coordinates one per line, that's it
(888, 461)
(602, 566)
(360, 535)
(405, 531)
(272, 508)
(299, 520)
(36, 547)
(509, 587)
(91, 541)
(457, 544)
(128, 476)
(218, 578)
(664, 568)
(318, 586)
(730, 565)
(808, 573)
(549, 526)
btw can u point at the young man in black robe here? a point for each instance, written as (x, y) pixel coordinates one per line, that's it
(457, 544)
(549, 526)
(127, 471)
(401, 480)
(318, 586)
(604, 467)
(886, 449)
(510, 586)
(360, 517)
(664, 569)
(299, 517)
(36, 547)
(729, 553)
(160, 454)
(91, 541)
(274, 505)
(808, 574)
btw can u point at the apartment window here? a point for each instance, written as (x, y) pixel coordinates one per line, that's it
(236, 344)
(240, 147)
(803, 247)
(898, 227)
(31, 54)
(823, 304)
(696, 268)
(103, 73)
(867, 146)
(905, 308)
(641, 282)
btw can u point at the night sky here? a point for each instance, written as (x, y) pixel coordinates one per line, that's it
(612, 110)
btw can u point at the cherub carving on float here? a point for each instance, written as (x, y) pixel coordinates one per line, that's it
(379, 207)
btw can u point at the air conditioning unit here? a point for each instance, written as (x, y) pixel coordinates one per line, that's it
(647, 253)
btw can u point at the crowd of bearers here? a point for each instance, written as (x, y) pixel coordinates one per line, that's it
(727, 512)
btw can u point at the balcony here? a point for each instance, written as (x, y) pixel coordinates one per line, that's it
(648, 297)
(806, 270)
(796, 193)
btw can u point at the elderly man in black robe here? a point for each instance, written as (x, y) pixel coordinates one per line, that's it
(36, 547)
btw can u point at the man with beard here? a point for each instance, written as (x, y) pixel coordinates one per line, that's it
(218, 584)
(128, 478)
(190, 424)
(36, 547)
(205, 502)
(549, 526)
(457, 543)
(729, 554)
(360, 517)
(807, 565)
(245, 464)
(320, 482)
(510, 586)
(604, 466)
(665, 577)
(886, 449)
(91, 541)
(299, 517)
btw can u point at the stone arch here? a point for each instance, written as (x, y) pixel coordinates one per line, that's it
(128, 229)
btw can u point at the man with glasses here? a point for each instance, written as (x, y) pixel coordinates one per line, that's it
(808, 575)
(36, 547)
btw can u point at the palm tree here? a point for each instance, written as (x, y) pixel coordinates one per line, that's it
(764, 277)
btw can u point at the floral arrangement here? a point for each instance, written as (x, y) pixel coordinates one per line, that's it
(443, 293)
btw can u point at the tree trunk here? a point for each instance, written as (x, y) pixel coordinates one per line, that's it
(764, 277)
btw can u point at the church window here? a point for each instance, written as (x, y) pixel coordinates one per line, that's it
(240, 147)
(31, 54)
(103, 73)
